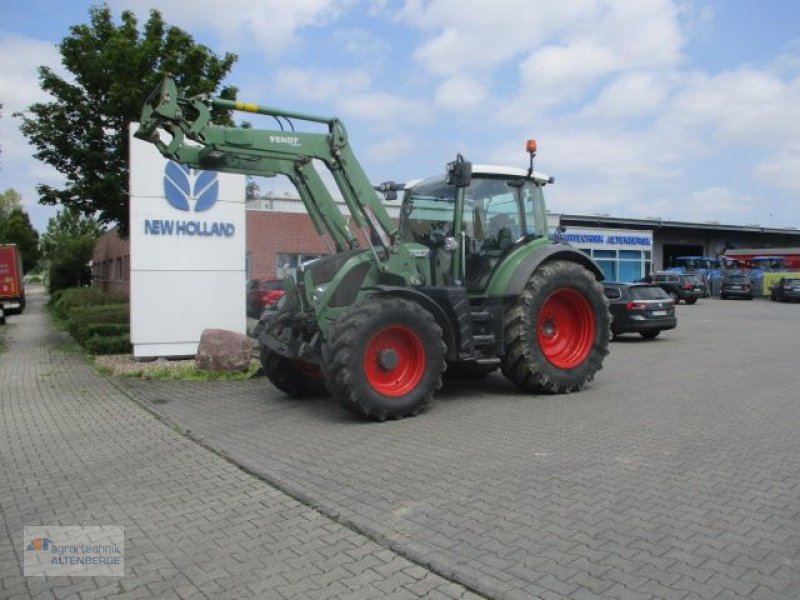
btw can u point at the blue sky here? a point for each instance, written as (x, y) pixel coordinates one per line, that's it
(685, 110)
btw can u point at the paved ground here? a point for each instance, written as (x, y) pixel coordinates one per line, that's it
(75, 450)
(675, 475)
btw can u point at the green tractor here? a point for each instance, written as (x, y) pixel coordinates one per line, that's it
(469, 280)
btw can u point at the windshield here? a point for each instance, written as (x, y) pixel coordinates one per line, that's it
(427, 214)
(648, 292)
(493, 204)
(494, 207)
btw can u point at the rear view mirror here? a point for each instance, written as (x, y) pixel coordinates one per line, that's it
(459, 172)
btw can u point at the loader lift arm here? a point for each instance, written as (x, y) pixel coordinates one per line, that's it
(199, 143)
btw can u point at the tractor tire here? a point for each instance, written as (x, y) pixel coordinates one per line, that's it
(297, 378)
(557, 330)
(650, 334)
(384, 359)
(465, 371)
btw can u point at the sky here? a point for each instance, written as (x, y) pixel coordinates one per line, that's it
(678, 109)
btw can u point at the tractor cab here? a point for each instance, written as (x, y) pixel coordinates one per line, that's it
(471, 229)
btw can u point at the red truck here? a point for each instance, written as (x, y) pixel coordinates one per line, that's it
(12, 290)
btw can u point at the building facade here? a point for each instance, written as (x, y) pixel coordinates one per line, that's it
(280, 236)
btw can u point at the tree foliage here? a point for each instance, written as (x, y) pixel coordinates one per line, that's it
(83, 133)
(9, 200)
(68, 244)
(16, 228)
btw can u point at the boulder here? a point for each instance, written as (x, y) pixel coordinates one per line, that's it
(223, 350)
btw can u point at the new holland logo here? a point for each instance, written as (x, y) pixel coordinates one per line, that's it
(189, 190)
(184, 186)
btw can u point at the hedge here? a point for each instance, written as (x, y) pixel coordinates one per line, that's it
(98, 321)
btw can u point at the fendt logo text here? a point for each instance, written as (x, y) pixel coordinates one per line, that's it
(189, 190)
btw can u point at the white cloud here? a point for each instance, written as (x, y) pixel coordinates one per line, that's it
(744, 106)
(20, 58)
(321, 84)
(271, 25)
(781, 169)
(719, 204)
(384, 108)
(478, 35)
(630, 96)
(390, 149)
(460, 94)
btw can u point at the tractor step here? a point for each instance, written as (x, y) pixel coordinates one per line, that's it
(488, 362)
(486, 339)
(480, 316)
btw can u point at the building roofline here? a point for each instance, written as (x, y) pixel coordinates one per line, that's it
(658, 223)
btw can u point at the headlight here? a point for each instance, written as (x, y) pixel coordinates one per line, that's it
(317, 292)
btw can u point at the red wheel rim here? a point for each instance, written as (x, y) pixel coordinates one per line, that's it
(394, 361)
(566, 328)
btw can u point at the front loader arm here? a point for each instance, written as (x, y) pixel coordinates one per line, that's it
(201, 144)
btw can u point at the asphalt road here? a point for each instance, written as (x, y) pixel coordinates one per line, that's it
(675, 474)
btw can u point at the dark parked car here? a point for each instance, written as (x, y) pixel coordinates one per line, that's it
(642, 308)
(262, 293)
(736, 285)
(786, 288)
(679, 286)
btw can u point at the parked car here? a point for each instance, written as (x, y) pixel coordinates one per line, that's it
(642, 308)
(736, 285)
(680, 286)
(262, 293)
(786, 288)
(2, 315)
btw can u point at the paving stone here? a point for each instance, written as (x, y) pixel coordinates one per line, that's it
(74, 449)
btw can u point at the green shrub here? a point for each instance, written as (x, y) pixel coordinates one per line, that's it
(111, 344)
(110, 329)
(80, 321)
(64, 301)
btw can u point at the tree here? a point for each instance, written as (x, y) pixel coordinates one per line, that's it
(17, 229)
(9, 200)
(68, 244)
(83, 133)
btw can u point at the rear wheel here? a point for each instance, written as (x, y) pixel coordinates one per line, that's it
(691, 300)
(298, 378)
(384, 359)
(651, 334)
(675, 297)
(557, 331)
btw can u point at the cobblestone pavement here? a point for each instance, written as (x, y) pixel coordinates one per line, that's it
(675, 475)
(75, 451)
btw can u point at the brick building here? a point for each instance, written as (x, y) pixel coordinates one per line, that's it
(111, 263)
(280, 235)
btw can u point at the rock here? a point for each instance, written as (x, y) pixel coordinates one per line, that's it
(223, 350)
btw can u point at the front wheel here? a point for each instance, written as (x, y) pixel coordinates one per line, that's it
(297, 378)
(384, 359)
(557, 330)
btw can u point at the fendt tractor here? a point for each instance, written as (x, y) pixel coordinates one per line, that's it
(468, 281)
